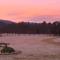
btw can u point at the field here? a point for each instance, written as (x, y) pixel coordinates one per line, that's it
(33, 47)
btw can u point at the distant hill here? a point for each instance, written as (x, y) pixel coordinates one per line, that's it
(5, 23)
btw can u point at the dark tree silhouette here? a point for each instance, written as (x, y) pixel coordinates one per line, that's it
(32, 28)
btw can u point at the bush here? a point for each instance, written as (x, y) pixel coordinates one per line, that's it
(7, 50)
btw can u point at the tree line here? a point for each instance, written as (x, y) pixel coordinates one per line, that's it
(32, 28)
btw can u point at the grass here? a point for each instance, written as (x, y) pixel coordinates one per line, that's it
(41, 57)
(51, 41)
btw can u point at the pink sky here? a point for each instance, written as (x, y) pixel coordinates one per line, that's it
(18, 10)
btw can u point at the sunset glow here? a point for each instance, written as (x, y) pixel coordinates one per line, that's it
(20, 10)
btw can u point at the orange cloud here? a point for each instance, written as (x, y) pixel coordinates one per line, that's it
(22, 9)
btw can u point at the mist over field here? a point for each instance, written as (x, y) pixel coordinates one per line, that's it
(33, 47)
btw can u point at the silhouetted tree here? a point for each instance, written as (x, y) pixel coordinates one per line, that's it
(32, 28)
